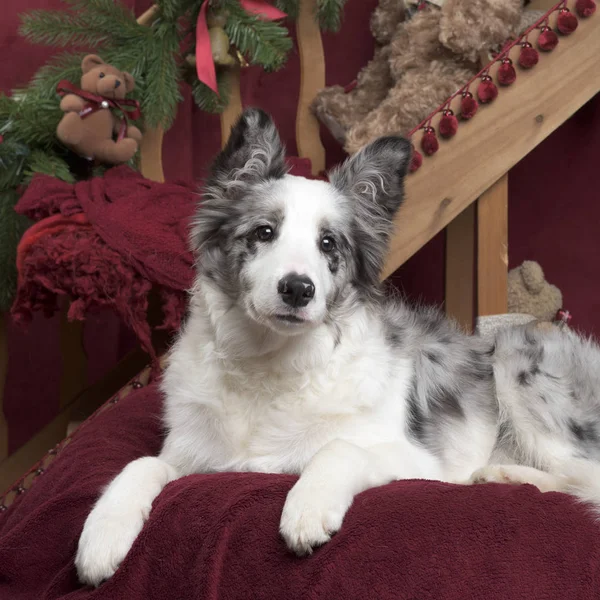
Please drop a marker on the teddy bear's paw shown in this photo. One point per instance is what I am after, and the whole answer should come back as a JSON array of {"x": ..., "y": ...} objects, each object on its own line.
[{"x": 70, "y": 129}]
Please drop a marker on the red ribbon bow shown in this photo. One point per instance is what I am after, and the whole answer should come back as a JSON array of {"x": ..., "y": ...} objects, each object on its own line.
[
  {"x": 205, "y": 66},
  {"x": 128, "y": 107}
]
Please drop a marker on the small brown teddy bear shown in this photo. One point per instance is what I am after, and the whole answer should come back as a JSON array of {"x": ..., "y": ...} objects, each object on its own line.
[
  {"x": 418, "y": 64},
  {"x": 530, "y": 293},
  {"x": 90, "y": 126}
]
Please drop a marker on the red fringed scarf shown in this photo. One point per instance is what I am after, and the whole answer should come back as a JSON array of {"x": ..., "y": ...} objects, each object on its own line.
[{"x": 106, "y": 242}]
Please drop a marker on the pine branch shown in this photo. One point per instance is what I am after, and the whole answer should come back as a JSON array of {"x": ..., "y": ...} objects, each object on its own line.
[
  {"x": 47, "y": 164},
  {"x": 206, "y": 99},
  {"x": 266, "y": 43},
  {"x": 161, "y": 97},
  {"x": 289, "y": 7},
  {"x": 63, "y": 66},
  {"x": 59, "y": 28},
  {"x": 111, "y": 17},
  {"x": 13, "y": 158},
  {"x": 174, "y": 9},
  {"x": 329, "y": 14},
  {"x": 36, "y": 119}
]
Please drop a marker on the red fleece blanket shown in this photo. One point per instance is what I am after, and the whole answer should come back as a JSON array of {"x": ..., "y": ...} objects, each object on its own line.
[{"x": 216, "y": 536}]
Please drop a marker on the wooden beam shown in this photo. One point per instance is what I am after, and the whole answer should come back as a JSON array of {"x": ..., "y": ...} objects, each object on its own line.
[
  {"x": 234, "y": 107},
  {"x": 151, "y": 146},
  {"x": 312, "y": 79},
  {"x": 460, "y": 268},
  {"x": 492, "y": 250},
  {"x": 499, "y": 136}
]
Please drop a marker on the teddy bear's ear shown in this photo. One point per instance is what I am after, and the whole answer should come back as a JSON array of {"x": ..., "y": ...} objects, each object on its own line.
[
  {"x": 129, "y": 81},
  {"x": 90, "y": 62}
]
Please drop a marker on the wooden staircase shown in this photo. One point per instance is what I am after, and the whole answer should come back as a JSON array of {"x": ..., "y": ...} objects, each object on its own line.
[{"x": 474, "y": 165}]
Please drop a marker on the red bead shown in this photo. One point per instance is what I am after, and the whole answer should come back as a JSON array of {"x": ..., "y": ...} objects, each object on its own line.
[
  {"x": 416, "y": 160},
  {"x": 567, "y": 22},
  {"x": 529, "y": 56},
  {"x": 468, "y": 106},
  {"x": 487, "y": 91},
  {"x": 585, "y": 8},
  {"x": 548, "y": 40},
  {"x": 429, "y": 143},
  {"x": 448, "y": 124},
  {"x": 506, "y": 72}
]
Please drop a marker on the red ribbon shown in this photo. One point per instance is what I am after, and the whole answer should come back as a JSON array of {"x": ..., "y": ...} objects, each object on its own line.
[
  {"x": 128, "y": 107},
  {"x": 205, "y": 66}
]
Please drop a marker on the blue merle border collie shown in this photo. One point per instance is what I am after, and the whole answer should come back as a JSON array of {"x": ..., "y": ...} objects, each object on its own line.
[{"x": 293, "y": 360}]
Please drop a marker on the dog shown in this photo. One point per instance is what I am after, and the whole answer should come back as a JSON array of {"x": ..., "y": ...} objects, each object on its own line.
[{"x": 294, "y": 360}]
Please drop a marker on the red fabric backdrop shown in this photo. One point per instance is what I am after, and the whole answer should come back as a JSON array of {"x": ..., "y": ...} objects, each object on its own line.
[{"x": 553, "y": 198}]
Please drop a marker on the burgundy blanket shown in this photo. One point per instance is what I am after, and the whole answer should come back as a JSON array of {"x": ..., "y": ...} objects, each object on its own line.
[{"x": 216, "y": 536}]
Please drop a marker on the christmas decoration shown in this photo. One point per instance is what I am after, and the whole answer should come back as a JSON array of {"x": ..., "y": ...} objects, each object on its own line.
[
  {"x": 506, "y": 72},
  {"x": 448, "y": 125},
  {"x": 585, "y": 8},
  {"x": 416, "y": 160},
  {"x": 567, "y": 22},
  {"x": 548, "y": 40},
  {"x": 528, "y": 57},
  {"x": 90, "y": 119},
  {"x": 429, "y": 142},
  {"x": 486, "y": 90},
  {"x": 468, "y": 106}
]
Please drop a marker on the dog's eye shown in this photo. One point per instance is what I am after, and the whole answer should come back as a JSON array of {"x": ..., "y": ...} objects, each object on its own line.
[
  {"x": 327, "y": 244},
  {"x": 101, "y": 75},
  {"x": 264, "y": 233}
]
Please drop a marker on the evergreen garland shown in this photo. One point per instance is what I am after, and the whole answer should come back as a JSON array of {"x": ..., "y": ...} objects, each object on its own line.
[{"x": 154, "y": 55}]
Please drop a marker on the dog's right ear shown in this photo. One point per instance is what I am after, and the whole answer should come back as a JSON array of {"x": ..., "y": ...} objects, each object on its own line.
[{"x": 253, "y": 153}]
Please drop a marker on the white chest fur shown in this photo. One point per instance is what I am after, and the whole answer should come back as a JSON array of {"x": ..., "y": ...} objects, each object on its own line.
[{"x": 272, "y": 412}]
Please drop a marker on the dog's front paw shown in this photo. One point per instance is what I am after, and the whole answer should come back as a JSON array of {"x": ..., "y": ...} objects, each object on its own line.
[
  {"x": 310, "y": 517},
  {"x": 105, "y": 541}
]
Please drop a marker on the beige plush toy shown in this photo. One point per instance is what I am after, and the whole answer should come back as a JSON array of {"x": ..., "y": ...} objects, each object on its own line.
[
  {"x": 90, "y": 126},
  {"x": 418, "y": 63},
  {"x": 530, "y": 293}
]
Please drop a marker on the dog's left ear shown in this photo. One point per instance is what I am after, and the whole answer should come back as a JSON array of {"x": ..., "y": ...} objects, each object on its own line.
[
  {"x": 375, "y": 175},
  {"x": 253, "y": 153}
]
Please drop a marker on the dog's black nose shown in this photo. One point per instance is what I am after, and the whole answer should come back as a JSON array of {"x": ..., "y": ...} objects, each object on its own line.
[
  {"x": 117, "y": 83},
  {"x": 296, "y": 290}
]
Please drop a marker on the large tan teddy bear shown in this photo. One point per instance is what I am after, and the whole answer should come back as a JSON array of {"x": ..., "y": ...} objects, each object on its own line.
[
  {"x": 418, "y": 64},
  {"x": 94, "y": 130}
]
